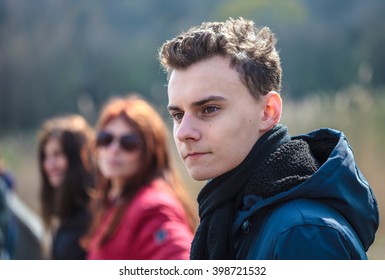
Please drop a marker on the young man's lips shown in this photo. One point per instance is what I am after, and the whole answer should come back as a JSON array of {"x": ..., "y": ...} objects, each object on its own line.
[{"x": 194, "y": 155}]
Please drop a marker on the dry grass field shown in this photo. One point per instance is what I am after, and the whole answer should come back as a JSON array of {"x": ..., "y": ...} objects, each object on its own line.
[{"x": 359, "y": 114}]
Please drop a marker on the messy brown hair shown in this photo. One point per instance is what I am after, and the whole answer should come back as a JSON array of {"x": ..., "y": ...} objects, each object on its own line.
[{"x": 251, "y": 51}]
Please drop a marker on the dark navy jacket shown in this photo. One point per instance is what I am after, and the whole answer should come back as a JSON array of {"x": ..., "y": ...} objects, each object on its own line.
[
  {"x": 333, "y": 215},
  {"x": 66, "y": 242}
]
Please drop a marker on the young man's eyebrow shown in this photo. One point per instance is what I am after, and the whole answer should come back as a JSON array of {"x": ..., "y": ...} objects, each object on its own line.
[
  {"x": 173, "y": 108},
  {"x": 208, "y": 99},
  {"x": 199, "y": 103}
]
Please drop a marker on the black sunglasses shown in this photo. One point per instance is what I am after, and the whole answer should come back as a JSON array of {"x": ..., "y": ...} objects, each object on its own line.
[{"x": 128, "y": 142}]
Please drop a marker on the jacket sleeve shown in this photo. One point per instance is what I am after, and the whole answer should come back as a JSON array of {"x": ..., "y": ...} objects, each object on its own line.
[
  {"x": 314, "y": 242},
  {"x": 161, "y": 233}
]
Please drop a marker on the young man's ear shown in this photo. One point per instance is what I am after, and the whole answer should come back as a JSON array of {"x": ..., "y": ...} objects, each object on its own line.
[{"x": 272, "y": 110}]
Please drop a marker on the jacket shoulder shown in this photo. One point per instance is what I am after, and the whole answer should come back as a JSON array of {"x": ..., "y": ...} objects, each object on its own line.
[
  {"x": 154, "y": 198},
  {"x": 156, "y": 225},
  {"x": 304, "y": 229}
]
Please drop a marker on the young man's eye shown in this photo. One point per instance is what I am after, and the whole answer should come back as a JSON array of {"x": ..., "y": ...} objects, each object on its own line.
[
  {"x": 177, "y": 116},
  {"x": 210, "y": 109}
]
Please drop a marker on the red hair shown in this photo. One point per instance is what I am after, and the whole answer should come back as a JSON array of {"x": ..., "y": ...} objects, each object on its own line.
[{"x": 156, "y": 161}]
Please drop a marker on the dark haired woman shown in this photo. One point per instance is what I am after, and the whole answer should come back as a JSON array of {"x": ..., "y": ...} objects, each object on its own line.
[
  {"x": 66, "y": 175},
  {"x": 141, "y": 209}
]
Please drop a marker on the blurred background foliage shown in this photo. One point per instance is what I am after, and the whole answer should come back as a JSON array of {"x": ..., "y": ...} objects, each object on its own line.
[
  {"x": 67, "y": 56},
  {"x": 70, "y": 55}
]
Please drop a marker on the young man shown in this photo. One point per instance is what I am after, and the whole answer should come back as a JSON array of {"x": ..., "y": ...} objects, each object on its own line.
[{"x": 268, "y": 195}]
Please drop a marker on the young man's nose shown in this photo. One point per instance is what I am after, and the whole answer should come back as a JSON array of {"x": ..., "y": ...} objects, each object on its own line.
[{"x": 187, "y": 129}]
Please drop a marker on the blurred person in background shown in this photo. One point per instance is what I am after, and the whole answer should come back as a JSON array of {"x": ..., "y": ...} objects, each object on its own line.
[
  {"x": 4, "y": 251},
  {"x": 268, "y": 195},
  {"x": 66, "y": 170},
  {"x": 141, "y": 210},
  {"x": 8, "y": 226}
]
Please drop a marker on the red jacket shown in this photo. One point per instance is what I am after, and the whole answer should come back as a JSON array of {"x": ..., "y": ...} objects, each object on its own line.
[{"x": 154, "y": 226}]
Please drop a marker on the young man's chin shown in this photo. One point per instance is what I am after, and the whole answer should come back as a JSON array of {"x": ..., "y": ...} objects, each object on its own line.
[{"x": 198, "y": 175}]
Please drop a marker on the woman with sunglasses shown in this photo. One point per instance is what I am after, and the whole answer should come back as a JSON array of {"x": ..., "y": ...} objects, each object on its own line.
[
  {"x": 140, "y": 207},
  {"x": 64, "y": 150}
]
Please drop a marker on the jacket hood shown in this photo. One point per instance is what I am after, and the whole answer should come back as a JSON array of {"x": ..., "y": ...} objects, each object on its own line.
[{"x": 338, "y": 183}]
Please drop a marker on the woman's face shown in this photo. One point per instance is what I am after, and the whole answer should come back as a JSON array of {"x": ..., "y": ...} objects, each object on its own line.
[
  {"x": 118, "y": 153},
  {"x": 55, "y": 162}
]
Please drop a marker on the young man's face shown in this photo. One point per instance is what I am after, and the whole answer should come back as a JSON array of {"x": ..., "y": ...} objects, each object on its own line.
[{"x": 216, "y": 120}]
